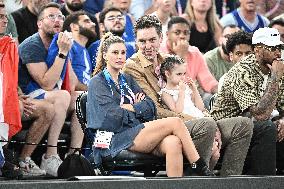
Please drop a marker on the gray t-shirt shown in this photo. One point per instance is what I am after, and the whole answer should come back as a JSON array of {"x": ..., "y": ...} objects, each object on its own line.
[{"x": 31, "y": 50}]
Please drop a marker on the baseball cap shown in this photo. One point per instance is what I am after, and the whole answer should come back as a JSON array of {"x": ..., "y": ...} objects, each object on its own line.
[{"x": 267, "y": 36}]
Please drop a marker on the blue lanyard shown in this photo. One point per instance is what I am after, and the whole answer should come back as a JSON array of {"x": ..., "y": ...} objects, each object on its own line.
[{"x": 122, "y": 84}]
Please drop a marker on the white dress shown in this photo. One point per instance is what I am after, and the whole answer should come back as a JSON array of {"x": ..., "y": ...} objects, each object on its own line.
[{"x": 189, "y": 108}]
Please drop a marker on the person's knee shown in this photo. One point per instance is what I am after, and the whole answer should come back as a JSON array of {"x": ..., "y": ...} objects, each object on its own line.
[
  {"x": 206, "y": 126},
  {"x": 247, "y": 125},
  {"x": 177, "y": 124},
  {"x": 62, "y": 99},
  {"x": 47, "y": 110},
  {"x": 172, "y": 144}
]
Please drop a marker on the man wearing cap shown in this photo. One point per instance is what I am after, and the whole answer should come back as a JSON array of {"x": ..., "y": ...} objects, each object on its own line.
[{"x": 254, "y": 87}]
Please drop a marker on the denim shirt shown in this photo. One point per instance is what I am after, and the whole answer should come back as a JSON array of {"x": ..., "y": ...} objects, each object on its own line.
[{"x": 104, "y": 113}]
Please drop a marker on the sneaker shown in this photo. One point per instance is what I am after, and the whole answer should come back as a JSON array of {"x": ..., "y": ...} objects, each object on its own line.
[
  {"x": 51, "y": 164},
  {"x": 29, "y": 168}
]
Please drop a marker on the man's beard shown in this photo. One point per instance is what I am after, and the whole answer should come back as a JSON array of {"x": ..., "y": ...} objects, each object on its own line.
[
  {"x": 75, "y": 7},
  {"x": 116, "y": 32},
  {"x": 91, "y": 35},
  {"x": 50, "y": 35},
  {"x": 225, "y": 49}
]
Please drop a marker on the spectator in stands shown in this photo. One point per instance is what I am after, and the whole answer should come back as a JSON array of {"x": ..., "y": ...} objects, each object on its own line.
[
  {"x": 139, "y": 7},
  {"x": 238, "y": 46},
  {"x": 229, "y": 6},
  {"x": 111, "y": 20},
  {"x": 163, "y": 12},
  {"x": 94, "y": 6},
  {"x": 180, "y": 94},
  {"x": 144, "y": 66},
  {"x": 41, "y": 112},
  {"x": 82, "y": 29},
  {"x": 128, "y": 34},
  {"x": 13, "y": 5},
  {"x": 40, "y": 76},
  {"x": 254, "y": 88},
  {"x": 217, "y": 59},
  {"x": 279, "y": 25},
  {"x": 71, "y": 6},
  {"x": 10, "y": 122},
  {"x": 245, "y": 17},
  {"x": 26, "y": 18},
  {"x": 206, "y": 29},
  {"x": 121, "y": 115},
  {"x": 270, "y": 8},
  {"x": 177, "y": 43},
  {"x": 11, "y": 27}
]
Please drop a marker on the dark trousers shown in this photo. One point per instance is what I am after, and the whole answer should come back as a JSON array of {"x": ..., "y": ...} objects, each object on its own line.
[
  {"x": 261, "y": 158},
  {"x": 280, "y": 157}
]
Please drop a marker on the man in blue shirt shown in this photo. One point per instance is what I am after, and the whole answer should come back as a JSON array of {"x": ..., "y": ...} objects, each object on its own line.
[
  {"x": 111, "y": 20},
  {"x": 82, "y": 29},
  {"x": 245, "y": 17}
]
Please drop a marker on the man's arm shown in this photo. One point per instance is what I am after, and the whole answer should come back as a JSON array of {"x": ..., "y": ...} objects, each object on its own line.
[
  {"x": 47, "y": 78},
  {"x": 267, "y": 103},
  {"x": 262, "y": 110}
]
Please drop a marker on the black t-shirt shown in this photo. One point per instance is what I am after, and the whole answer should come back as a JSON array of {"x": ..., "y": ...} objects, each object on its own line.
[
  {"x": 204, "y": 41},
  {"x": 26, "y": 23}
]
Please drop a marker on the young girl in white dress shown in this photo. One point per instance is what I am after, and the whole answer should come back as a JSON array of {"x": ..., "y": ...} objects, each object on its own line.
[{"x": 181, "y": 95}]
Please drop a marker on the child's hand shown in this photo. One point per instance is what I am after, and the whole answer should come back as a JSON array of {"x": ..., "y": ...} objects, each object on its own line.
[
  {"x": 191, "y": 83},
  {"x": 182, "y": 86}
]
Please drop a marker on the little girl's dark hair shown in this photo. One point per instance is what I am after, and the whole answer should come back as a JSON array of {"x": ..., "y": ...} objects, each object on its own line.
[{"x": 168, "y": 64}]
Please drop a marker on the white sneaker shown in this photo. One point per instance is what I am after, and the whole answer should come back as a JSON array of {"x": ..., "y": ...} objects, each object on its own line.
[
  {"x": 29, "y": 168},
  {"x": 51, "y": 164}
]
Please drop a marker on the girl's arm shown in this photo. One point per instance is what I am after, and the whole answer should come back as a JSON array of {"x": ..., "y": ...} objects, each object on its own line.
[
  {"x": 168, "y": 99},
  {"x": 196, "y": 98}
]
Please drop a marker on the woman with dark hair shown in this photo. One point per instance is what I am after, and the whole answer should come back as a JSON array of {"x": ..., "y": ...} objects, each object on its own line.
[{"x": 124, "y": 116}]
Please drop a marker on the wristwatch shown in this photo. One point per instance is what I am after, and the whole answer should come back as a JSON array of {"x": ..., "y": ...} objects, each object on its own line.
[{"x": 61, "y": 55}]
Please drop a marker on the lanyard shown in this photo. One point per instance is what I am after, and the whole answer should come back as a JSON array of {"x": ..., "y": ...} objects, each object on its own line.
[{"x": 122, "y": 85}]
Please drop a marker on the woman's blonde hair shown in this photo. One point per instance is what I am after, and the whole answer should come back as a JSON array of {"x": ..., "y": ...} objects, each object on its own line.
[
  {"x": 107, "y": 40},
  {"x": 211, "y": 17}
]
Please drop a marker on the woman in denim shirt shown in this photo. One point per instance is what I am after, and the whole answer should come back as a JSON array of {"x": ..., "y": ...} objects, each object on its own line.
[{"x": 116, "y": 104}]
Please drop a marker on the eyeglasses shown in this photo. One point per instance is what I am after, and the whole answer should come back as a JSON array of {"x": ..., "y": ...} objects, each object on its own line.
[
  {"x": 112, "y": 18},
  {"x": 3, "y": 17},
  {"x": 53, "y": 17}
]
